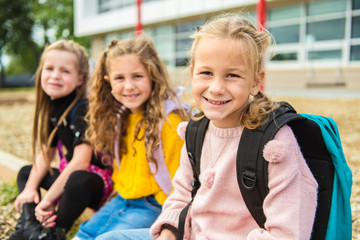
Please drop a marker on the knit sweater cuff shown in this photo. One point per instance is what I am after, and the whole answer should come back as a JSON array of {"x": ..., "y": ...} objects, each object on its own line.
[{"x": 167, "y": 217}]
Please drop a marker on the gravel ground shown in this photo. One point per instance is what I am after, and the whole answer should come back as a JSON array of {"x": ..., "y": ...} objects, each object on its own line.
[{"x": 16, "y": 124}]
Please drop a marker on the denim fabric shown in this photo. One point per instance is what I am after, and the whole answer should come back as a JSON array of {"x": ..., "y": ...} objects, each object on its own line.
[
  {"x": 138, "y": 234},
  {"x": 120, "y": 214}
]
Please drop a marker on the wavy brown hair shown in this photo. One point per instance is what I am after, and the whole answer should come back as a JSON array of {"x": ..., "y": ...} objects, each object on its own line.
[
  {"x": 252, "y": 44},
  {"x": 43, "y": 106},
  {"x": 104, "y": 107}
]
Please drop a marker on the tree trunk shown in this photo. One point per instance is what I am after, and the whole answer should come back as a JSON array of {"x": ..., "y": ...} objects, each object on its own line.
[{"x": 2, "y": 74}]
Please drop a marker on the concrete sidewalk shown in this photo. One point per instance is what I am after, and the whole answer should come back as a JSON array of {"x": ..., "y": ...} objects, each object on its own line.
[{"x": 10, "y": 166}]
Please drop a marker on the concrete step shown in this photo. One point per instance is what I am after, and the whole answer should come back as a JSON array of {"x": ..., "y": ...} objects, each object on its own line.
[{"x": 9, "y": 168}]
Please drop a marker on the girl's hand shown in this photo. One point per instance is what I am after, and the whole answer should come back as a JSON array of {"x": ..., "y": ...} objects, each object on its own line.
[
  {"x": 44, "y": 213},
  {"x": 166, "y": 235},
  {"x": 26, "y": 196}
]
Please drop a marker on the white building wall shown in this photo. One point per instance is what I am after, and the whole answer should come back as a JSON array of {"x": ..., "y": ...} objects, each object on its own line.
[
  {"x": 89, "y": 22},
  {"x": 173, "y": 15}
]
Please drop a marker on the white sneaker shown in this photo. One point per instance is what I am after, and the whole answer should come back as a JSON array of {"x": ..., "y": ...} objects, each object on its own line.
[{"x": 76, "y": 238}]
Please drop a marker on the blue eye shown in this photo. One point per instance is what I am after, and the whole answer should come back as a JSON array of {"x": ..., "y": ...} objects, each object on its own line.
[
  {"x": 206, "y": 73},
  {"x": 118, "y": 78},
  {"x": 233, "y": 75}
]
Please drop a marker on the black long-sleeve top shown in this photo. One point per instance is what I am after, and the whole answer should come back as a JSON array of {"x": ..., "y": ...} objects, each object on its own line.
[{"x": 71, "y": 132}]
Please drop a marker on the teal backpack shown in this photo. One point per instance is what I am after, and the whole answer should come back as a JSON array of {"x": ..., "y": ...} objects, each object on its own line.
[{"x": 320, "y": 144}]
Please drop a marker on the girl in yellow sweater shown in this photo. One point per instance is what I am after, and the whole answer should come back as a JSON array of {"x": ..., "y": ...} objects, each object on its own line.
[{"x": 134, "y": 116}]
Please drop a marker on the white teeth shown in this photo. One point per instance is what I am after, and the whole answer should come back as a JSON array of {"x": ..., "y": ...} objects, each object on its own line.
[
  {"x": 131, "y": 95},
  {"x": 217, "y": 103}
]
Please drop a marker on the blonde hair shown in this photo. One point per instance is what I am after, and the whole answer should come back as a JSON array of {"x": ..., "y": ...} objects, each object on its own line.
[
  {"x": 43, "y": 106},
  {"x": 104, "y": 107},
  {"x": 252, "y": 44}
]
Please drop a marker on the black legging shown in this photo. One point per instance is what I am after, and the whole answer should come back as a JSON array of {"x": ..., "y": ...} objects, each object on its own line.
[{"x": 83, "y": 189}]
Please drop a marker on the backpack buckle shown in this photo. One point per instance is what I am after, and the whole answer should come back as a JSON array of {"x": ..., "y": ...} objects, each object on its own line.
[
  {"x": 195, "y": 187},
  {"x": 249, "y": 180}
]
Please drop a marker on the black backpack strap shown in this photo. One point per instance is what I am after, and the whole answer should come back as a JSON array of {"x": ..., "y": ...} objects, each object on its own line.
[
  {"x": 194, "y": 138},
  {"x": 72, "y": 112},
  {"x": 251, "y": 167}
]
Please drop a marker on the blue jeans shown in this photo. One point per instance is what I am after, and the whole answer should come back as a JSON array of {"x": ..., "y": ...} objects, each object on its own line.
[
  {"x": 131, "y": 234},
  {"x": 120, "y": 214}
]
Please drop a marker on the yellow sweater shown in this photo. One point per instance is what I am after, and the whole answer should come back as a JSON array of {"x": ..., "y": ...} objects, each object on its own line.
[{"x": 134, "y": 179}]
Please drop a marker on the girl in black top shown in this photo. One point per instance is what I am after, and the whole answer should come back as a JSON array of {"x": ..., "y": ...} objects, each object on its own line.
[{"x": 83, "y": 178}]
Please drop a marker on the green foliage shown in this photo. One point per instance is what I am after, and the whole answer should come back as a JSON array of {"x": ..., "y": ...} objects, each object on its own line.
[
  {"x": 15, "y": 67},
  {"x": 8, "y": 193},
  {"x": 15, "y": 32},
  {"x": 57, "y": 16},
  {"x": 24, "y": 63},
  {"x": 28, "y": 26}
]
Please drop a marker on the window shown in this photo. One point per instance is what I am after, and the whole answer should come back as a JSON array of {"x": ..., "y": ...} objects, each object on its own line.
[
  {"x": 183, "y": 41},
  {"x": 284, "y": 13},
  {"x": 285, "y": 31},
  {"x": 164, "y": 43},
  {"x": 355, "y": 53},
  {"x": 355, "y": 28},
  {"x": 326, "y": 30},
  {"x": 182, "y": 61},
  {"x": 315, "y": 31},
  {"x": 292, "y": 56},
  {"x": 182, "y": 45},
  {"x": 324, "y": 7},
  {"x": 118, "y": 36},
  {"x": 286, "y": 34},
  {"x": 107, "y": 5},
  {"x": 356, "y": 4},
  {"x": 327, "y": 54}
]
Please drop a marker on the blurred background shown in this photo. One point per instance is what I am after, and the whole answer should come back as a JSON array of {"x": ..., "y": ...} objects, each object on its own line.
[
  {"x": 314, "y": 65},
  {"x": 317, "y": 41},
  {"x": 27, "y": 26}
]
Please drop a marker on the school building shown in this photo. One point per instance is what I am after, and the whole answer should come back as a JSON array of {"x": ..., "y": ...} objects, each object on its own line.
[{"x": 317, "y": 41}]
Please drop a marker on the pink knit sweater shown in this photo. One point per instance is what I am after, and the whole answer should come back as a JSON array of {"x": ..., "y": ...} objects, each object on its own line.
[{"x": 218, "y": 210}]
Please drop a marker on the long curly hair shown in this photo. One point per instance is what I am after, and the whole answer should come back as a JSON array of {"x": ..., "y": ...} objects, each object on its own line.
[
  {"x": 104, "y": 107},
  {"x": 43, "y": 105},
  {"x": 252, "y": 44}
]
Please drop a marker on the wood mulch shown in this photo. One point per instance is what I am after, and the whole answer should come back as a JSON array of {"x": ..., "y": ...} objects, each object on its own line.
[{"x": 17, "y": 115}]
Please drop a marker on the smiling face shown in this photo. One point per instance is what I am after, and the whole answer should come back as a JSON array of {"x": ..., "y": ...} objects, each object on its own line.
[
  {"x": 222, "y": 81},
  {"x": 130, "y": 82},
  {"x": 60, "y": 75}
]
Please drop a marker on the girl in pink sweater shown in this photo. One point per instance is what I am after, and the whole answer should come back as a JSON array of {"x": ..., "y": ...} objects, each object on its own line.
[{"x": 226, "y": 72}]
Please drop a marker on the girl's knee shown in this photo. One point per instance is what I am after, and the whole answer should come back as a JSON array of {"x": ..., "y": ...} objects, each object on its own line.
[
  {"x": 25, "y": 171},
  {"x": 23, "y": 176},
  {"x": 81, "y": 180}
]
